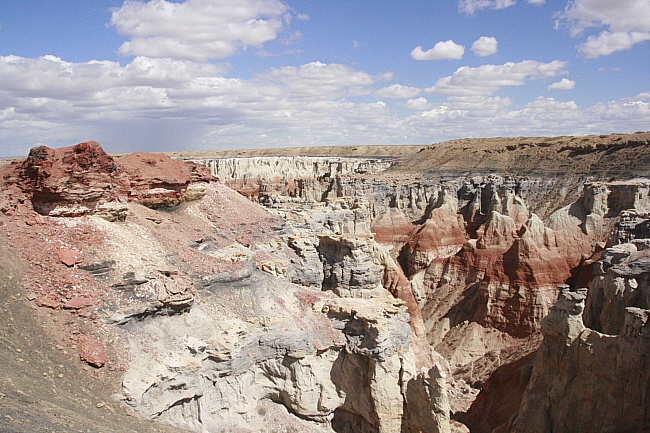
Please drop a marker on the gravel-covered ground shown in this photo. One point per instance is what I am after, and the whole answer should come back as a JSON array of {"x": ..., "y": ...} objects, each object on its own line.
[{"x": 43, "y": 385}]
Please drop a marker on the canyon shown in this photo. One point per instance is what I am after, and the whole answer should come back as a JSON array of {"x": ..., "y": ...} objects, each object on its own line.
[{"x": 472, "y": 285}]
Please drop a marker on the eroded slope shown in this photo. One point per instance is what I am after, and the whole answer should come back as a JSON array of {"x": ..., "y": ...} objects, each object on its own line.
[{"x": 151, "y": 269}]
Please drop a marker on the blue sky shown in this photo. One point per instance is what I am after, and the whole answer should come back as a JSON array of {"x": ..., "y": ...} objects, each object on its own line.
[{"x": 198, "y": 74}]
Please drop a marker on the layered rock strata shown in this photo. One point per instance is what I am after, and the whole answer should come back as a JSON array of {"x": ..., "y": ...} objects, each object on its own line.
[
  {"x": 616, "y": 298},
  {"x": 195, "y": 303},
  {"x": 344, "y": 363},
  {"x": 478, "y": 258},
  {"x": 295, "y": 178},
  {"x": 83, "y": 179}
]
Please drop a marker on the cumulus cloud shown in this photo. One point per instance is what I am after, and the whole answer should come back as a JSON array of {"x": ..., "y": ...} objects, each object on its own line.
[
  {"x": 624, "y": 23},
  {"x": 606, "y": 43},
  {"x": 397, "y": 91},
  {"x": 485, "y": 46},
  {"x": 563, "y": 84},
  {"x": 469, "y": 7},
  {"x": 487, "y": 79},
  {"x": 632, "y": 114},
  {"x": 65, "y": 93},
  {"x": 441, "y": 50},
  {"x": 419, "y": 104},
  {"x": 321, "y": 80},
  {"x": 197, "y": 29},
  {"x": 165, "y": 104},
  {"x": 51, "y": 77}
]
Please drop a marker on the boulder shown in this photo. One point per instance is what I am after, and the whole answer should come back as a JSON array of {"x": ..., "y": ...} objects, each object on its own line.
[{"x": 91, "y": 351}]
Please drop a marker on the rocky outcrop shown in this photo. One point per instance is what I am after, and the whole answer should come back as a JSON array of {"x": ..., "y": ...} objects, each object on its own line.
[
  {"x": 442, "y": 235},
  {"x": 501, "y": 278},
  {"x": 194, "y": 306},
  {"x": 617, "y": 280},
  {"x": 83, "y": 179},
  {"x": 166, "y": 292},
  {"x": 69, "y": 181},
  {"x": 339, "y": 362},
  {"x": 622, "y": 277},
  {"x": 504, "y": 279},
  {"x": 297, "y": 177},
  {"x": 584, "y": 380},
  {"x": 157, "y": 181},
  {"x": 349, "y": 267},
  {"x": 620, "y": 274}
]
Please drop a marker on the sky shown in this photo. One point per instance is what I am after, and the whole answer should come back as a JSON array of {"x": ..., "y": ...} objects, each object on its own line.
[{"x": 162, "y": 75}]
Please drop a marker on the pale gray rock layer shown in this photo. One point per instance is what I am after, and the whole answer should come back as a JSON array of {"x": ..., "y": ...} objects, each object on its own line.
[{"x": 330, "y": 361}]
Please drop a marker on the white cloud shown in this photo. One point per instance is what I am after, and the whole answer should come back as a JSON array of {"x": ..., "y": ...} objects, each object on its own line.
[
  {"x": 51, "y": 77},
  {"x": 470, "y": 6},
  {"x": 563, "y": 84},
  {"x": 197, "y": 29},
  {"x": 487, "y": 79},
  {"x": 441, "y": 50},
  {"x": 624, "y": 23},
  {"x": 479, "y": 106},
  {"x": 384, "y": 77},
  {"x": 396, "y": 91},
  {"x": 485, "y": 46},
  {"x": 606, "y": 43},
  {"x": 164, "y": 104},
  {"x": 619, "y": 16},
  {"x": 77, "y": 95},
  {"x": 632, "y": 112},
  {"x": 320, "y": 79},
  {"x": 419, "y": 104}
]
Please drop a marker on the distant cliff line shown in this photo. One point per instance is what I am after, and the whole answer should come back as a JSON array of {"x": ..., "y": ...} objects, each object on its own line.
[
  {"x": 606, "y": 157},
  {"x": 603, "y": 156}
]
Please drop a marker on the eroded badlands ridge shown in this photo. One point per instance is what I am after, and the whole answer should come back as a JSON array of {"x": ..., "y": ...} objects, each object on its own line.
[
  {"x": 153, "y": 268},
  {"x": 319, "y": 310},
  {"x": 482, "y": 241}
]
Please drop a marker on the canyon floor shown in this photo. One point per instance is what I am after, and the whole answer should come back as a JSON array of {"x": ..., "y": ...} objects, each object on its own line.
[{"x": 340, "y": 289}]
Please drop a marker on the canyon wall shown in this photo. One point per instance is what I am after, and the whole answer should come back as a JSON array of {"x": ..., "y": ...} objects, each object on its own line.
[
  {"x": 483, "y": 255},
  {"x": 221, "y": 315},
  {"x": 478, "y": 258},
  {"x": 591, "y": 371},
  {"x": 583, "y": 380}
]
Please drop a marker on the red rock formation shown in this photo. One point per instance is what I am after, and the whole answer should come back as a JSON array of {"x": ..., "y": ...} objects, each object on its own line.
[
  {"x": 399, "y": 286},
  {"x": 68, "y": 256},
  {"x": 158, "y": 181},
  {"x": 393, "y": 229},
  {"x": 69, "y": 181},
  {"x": 84, "y": 179},
  {"x": 440, "y": 236},
  {"x": 91, "y": 351}
]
